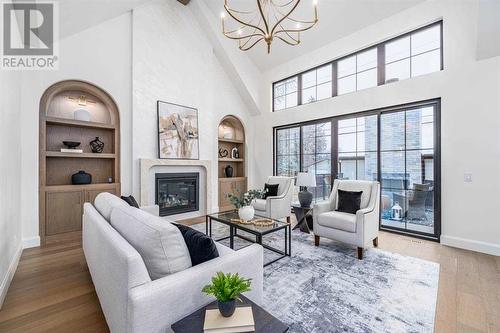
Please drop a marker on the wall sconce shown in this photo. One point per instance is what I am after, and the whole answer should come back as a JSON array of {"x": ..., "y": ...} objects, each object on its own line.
[{"x": 81, "y": 100}]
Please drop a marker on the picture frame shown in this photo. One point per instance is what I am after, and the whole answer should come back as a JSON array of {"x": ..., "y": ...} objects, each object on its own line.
[{"x": 178, "y": 136}]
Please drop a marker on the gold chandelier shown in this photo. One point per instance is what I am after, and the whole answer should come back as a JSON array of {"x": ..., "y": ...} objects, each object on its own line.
[{"x": 271, "y": 20}]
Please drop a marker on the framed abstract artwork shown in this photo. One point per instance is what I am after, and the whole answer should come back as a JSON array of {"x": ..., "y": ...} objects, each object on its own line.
[{"x": 177, "y": 131}]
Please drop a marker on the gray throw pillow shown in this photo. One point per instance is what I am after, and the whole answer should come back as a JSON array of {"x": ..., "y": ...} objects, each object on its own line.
[{"x": 160, "y": 243}]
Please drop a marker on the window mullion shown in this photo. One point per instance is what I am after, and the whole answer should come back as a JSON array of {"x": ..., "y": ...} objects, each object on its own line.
[
  {"x": 299, "y": 89},
  {"x": 381, "y": 64},
  {"x": 334, "y": 79}
]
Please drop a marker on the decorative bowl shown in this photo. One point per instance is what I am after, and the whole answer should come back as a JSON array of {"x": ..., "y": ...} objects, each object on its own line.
[{"x": 71, "y": 144}]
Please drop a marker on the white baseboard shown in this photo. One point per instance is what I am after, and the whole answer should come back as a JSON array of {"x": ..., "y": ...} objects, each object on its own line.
[
  {"x": 31, "y": 242},
  {"x": 469, "y": 244},
  {"x": 10, "y": 274}
]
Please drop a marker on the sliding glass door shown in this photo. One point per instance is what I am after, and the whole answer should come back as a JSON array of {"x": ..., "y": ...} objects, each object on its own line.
[
  {"x": 397, "y": 146},
  {"x": 407, "y": 153}
]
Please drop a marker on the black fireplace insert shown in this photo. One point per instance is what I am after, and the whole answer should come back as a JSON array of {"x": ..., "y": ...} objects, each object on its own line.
[{"x": 177, "y": 193}]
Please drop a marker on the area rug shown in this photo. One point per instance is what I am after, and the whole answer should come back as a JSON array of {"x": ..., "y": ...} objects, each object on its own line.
[{"x": 327, "y": 289}]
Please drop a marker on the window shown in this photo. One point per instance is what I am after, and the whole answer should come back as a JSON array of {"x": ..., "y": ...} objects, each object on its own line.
[
  {"x": 357, "y": 146},
  {"x": 398, "y": 146},
  {"x": 317, "y": 84},
  {"x": 357, "y": 72},
  {"x": 317, "y": 156},
  {"x": 288, "y": 152},
  {"x": 413, "y": 54},
  {"x": 285, "y": 94}
]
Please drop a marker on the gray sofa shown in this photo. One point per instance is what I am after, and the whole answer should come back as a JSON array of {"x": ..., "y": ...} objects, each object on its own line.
[{"x": 130, "y": 300}]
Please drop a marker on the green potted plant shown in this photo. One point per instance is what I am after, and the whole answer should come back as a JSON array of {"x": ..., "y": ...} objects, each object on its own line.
[
  {"x": 227, "y": 289},
  {"x": 243, "y": 203}
]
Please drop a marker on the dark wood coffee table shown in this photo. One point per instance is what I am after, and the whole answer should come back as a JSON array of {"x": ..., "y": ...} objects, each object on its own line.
[{"x": 264, "y": 321}]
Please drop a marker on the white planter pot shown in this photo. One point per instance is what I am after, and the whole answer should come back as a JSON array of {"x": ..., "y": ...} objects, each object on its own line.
[{"x": 246, "y": 213}]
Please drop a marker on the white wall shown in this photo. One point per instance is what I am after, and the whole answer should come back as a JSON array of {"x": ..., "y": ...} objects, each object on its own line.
[
  {"x": 101, "y": 55},
  {"x": 470, "y": 116},
  {"x": 10, "y": 178},
  {"x": 173, "y": 61}
]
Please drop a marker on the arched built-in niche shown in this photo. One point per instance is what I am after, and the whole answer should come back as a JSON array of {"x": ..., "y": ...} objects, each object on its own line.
[
  {"x": 231, "y": 134},
  {"x": 61, "y": 202}
]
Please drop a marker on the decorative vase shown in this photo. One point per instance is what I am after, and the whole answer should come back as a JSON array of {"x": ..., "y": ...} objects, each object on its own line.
[
  {"x": 227, "y": 308},
  {"x": 229, "y": 171},
  {"x": 305, "y": 198},
  {"x": 96, "y": 145},
  {"x": 246, "y": 213},
  {"x": 81, "y": 178}
]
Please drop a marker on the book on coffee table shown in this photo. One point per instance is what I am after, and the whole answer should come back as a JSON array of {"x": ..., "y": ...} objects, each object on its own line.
[{"x": 240, "y": 321}]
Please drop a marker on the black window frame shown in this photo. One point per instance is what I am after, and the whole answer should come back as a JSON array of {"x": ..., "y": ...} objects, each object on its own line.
[
  {"x": 380, "y": 47},
  {"x": 436, "y": 102}
]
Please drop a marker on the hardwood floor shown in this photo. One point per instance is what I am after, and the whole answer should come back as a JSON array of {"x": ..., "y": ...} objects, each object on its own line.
[{"x": 52, "y": 290}]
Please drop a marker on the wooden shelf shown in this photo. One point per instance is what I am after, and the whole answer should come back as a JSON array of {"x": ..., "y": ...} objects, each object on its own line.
[
  {"x": 97, "y": 186},
  {"x": 231, "y": 140},
  {"x": 78, "y": 155},
  {"x": 226, "y": 179},
  {"x": 77, "y": 123},
  {"x": 231, "y": 126},
  {"x": 227, "y": 159}
]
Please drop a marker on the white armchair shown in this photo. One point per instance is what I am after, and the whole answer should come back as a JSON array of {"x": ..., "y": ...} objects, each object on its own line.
[
  {"x": 276, "y": 207},
  {"x": 358, "y": 229}
]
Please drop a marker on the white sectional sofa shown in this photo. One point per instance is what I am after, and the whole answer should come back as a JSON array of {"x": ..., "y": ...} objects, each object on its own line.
[{"x": 130, "y": 300}]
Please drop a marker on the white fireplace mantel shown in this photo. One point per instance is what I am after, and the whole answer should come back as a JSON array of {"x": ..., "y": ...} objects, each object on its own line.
[{"x": 147, "y": 164}]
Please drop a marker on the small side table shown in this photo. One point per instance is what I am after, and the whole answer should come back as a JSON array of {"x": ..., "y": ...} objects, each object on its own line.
[
  {"x": 304, "y": 217},
  {"x": 264, "y": 321}
]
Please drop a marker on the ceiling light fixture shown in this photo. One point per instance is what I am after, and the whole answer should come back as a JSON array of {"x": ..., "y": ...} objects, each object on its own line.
[{"x": 272, "y": 19}]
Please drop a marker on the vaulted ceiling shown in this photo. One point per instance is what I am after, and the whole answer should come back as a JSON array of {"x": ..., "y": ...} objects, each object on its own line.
[
  {"x": 78, "y": 15},
  {"x": 337, "y": 19}
]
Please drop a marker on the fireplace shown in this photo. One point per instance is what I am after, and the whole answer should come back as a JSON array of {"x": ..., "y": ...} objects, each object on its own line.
[{"x": 177, "y": 193}]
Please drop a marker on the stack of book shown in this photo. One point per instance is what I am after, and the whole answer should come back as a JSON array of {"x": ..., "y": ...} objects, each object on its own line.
[
  {"x": 240, "y": 321},
  {"x": 77, "y": 151}
]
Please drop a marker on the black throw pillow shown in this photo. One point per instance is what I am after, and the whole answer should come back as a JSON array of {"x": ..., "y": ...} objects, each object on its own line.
[
  {"x": 201, "y": 247},
  {"x": 349, "y": 202},
  {"x": 272, "y": 190},
  {"x": 131, "y": 201}
]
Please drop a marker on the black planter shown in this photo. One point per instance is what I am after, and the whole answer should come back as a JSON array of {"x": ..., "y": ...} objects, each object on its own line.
[
  {"x": 227, "y": 308},
  {"x": 81, "y": 178},
  {"x": 229, "y": 171}
]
